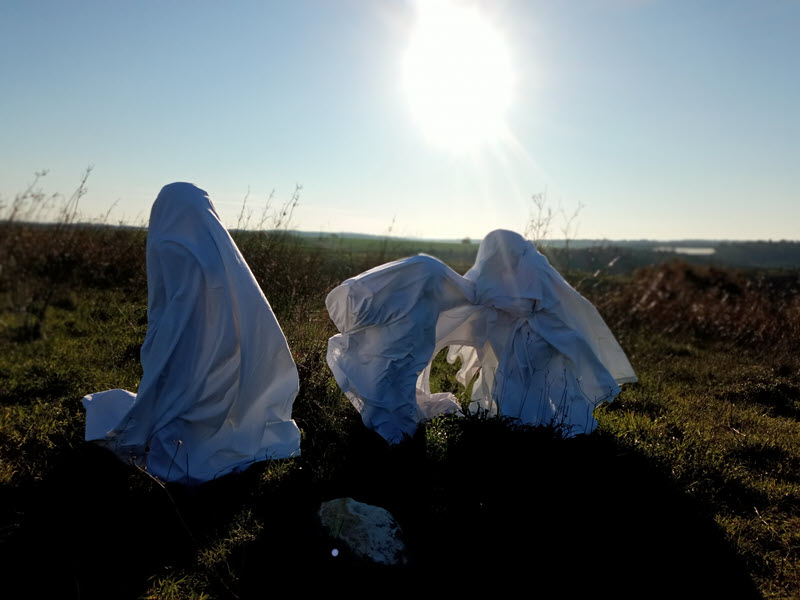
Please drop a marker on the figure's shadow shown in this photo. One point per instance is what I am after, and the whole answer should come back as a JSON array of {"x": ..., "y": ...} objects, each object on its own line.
[
  {"x": 498, "y": 510},
  {"x": 561, "y": 517}
]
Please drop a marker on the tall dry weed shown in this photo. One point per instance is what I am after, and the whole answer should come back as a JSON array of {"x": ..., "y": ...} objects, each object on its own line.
[
  {"x": 47, "y": 250},
  {"x": 758, "y": 310}
]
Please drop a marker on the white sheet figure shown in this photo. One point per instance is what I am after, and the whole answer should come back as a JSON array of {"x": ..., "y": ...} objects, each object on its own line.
[
  {"x": 219, "y": 380},
  {"x": 541, "y": 352}
]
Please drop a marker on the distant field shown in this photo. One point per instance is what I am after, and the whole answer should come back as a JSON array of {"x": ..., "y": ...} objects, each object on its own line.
[
  {"x": 612, "y": 256},
  {"x": 456, "y": 254},
  {"x": 690, "y": 487}
]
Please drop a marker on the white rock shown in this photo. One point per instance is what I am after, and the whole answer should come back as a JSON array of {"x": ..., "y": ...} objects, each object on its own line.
[{"x": 367, "y": 531}]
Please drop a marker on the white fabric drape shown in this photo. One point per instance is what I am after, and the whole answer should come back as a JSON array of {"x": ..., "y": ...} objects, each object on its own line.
[
  {"x": 541, "y": 352},
  {"x": 219, "y": 380}
]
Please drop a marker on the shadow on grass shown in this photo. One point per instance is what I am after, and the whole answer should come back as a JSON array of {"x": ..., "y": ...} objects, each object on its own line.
[
  {"x": 481, "y": 505},
  {"x": 782, "y": 398}
]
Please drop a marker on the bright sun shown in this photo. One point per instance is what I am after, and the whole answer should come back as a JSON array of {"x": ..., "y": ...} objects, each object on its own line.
[{"x": 457, "y": 75}]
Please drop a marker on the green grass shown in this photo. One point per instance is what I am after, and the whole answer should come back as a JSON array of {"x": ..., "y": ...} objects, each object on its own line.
[
  {"x": 690, "y": 486},
  {"x": 722, "y": 423}
]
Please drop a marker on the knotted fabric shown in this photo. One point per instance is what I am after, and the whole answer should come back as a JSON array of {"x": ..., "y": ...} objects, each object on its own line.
[{"x": 541, "y": 352}]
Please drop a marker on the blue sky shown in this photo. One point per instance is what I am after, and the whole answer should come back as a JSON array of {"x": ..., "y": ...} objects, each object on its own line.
[{"x": 665, "y": 120}]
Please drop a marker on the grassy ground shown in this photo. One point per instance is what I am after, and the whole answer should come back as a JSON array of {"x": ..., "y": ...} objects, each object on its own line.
[{"x": 690, "y": 486}]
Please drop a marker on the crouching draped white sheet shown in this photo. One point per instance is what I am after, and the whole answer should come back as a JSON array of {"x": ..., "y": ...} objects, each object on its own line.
[
  {"x": 218, "y": 377},
  {"x": 541, "y": 352}
]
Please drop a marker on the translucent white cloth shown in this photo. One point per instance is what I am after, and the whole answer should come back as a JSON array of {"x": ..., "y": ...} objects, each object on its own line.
[
  {"x": 219, "y": 380},
  {"x": 541, "y": 352}
]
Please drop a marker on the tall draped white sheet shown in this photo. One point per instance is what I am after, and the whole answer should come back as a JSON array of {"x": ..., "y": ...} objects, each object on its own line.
[
  {"x": 219, "y": 380},
  {"x": 541, "y": 352}
]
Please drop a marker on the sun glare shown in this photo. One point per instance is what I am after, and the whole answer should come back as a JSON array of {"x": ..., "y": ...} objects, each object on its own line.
[{"x": 457, "y": 75}]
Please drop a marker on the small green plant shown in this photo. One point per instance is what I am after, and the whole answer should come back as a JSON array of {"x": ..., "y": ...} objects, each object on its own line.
[{"x": 174, "y": 587}]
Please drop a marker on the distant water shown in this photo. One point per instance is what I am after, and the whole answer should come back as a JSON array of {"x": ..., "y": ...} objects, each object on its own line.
[{"x": 686, "y": 250}]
